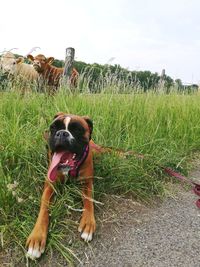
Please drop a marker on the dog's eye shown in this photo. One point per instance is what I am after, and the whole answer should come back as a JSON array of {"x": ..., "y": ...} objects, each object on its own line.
[
  {"x": 76, "y": 127},
  {"x": 57, "y": 125}
]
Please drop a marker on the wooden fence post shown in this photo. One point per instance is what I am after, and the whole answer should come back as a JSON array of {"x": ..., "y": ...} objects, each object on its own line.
[
  {"x": 69, "y": 61},
  {"x": 161, "y": 82}
]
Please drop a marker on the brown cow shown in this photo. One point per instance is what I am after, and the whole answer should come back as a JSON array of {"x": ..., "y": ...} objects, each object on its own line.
[{"x": 51, "y": 75}]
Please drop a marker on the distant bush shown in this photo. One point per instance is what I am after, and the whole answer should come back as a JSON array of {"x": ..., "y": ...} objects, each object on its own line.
[{"x": 95, "y": 78}]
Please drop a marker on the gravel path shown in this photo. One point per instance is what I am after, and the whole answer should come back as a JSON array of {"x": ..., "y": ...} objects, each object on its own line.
[
  {"x": 163, "y": 236},
  {"x": 132, "y": 235}
]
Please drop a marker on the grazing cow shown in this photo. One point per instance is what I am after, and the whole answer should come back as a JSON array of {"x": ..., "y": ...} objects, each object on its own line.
[
  {"x": 15, "y": 66},
  {"x": 51, "y": 74}
]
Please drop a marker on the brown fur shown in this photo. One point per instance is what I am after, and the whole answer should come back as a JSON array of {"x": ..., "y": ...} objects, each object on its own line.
[
  {"x": 51, "y": 74},
  {"x": 37, "y": 238}
]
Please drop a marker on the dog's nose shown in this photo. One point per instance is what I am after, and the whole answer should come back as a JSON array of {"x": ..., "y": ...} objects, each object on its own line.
[{"x": 62, "y": 134}]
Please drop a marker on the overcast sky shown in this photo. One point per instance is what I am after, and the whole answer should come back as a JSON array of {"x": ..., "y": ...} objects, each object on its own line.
[{"x": 139, "y": 35}]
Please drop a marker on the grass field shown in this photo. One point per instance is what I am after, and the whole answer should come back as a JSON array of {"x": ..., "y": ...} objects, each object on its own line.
[{"x": 165, "y": 128}]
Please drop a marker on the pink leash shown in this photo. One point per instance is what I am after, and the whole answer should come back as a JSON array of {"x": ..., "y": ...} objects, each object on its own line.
[
  {"x": 195, "y": 186},
  {"x": 169, "y": 171}
]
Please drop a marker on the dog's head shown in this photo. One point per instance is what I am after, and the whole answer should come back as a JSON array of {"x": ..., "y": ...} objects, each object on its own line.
[{"x": 69, "y": 133}]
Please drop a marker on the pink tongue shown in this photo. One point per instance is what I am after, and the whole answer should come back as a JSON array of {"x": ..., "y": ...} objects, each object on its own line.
[{"x": 56, "y": 160}]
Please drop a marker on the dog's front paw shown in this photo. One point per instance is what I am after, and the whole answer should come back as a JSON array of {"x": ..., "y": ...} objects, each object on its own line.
[
  {"x": 87, "y": 226},
  {"x": 36, "y": 243}
]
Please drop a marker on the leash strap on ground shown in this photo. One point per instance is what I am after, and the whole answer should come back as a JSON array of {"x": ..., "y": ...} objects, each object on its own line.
[
  {"x": 169, "y": 171},
  {"x": 195, "y": 186}
]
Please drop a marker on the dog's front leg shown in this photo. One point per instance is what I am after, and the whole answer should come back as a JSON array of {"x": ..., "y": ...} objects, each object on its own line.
[
  {"x": 87, "y": 224},
  {"x": 37, "y": 239}
]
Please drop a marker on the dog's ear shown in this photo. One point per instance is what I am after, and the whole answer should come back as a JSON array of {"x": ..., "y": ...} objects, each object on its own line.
[
  {"x": 90, "y": 124},
  {"x": 58, "y": 114},
  {"x": 46, "y": 135},
  {"x": 49, "y": 153}
]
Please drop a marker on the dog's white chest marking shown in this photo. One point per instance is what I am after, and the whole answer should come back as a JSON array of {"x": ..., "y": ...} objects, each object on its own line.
[{"x": 65, "y": 171}]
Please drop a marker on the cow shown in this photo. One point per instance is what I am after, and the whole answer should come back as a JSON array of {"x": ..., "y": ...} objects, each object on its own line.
[
  {"x": 51, "y": 75},
  {"x": 16, "y": 67}
]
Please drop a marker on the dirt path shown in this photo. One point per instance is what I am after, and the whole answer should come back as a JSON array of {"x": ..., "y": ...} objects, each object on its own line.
[
  {"x": 163, "y": 236},
  {"x": 132, "y": 235}
]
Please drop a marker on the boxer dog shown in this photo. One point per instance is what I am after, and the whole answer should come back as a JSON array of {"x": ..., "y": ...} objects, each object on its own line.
[{"x": 70, "y": 150}]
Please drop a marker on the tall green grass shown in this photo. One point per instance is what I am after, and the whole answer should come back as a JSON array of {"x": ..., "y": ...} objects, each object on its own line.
[{"x": 165, "y": 128}]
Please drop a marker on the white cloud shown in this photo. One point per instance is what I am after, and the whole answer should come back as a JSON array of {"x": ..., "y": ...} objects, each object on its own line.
[{"x": 145, "y": 34}]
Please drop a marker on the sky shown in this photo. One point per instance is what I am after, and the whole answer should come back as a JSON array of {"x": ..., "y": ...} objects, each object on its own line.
[{"x": 139, "y": 35}]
